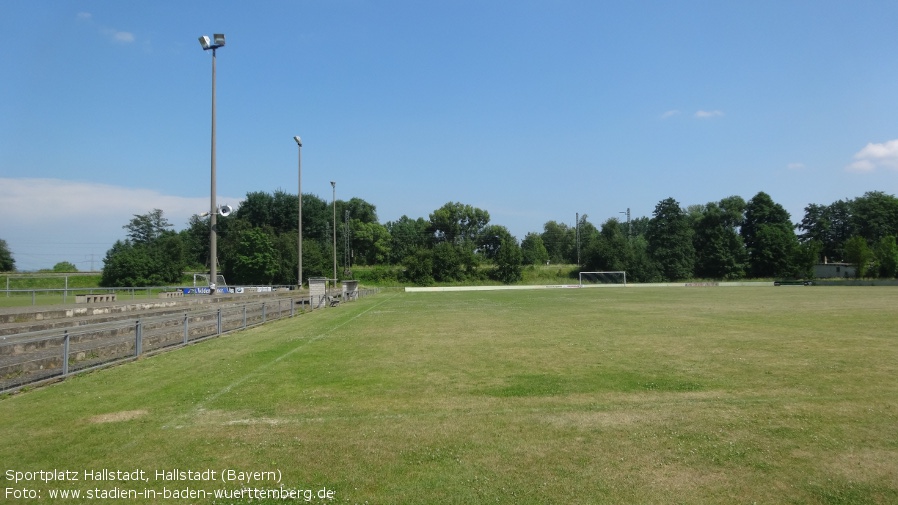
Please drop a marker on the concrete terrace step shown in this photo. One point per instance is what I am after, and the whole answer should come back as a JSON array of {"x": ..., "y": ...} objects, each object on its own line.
[{"x": 19, "y": 320}]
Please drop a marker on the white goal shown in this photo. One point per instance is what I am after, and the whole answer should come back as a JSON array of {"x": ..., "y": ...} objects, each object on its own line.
[{"x": 591, "y": 279}]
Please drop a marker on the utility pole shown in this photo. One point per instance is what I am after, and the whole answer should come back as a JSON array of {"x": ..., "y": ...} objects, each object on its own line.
[{"x": 347, "y": 260}]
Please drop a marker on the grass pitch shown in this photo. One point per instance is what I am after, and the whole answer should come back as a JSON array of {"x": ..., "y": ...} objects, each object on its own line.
[{"x": 642, "y": 395}]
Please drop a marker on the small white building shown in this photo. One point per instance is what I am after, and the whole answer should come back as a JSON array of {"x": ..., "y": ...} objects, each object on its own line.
[{"x": 834, "y": 270}]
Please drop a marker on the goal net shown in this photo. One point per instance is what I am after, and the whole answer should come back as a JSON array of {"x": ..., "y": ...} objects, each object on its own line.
[{"x": 589, "y": 279}]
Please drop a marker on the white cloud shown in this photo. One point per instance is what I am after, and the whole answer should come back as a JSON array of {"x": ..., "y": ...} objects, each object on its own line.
[
  {"x": 126, "y": 37},
  {"x": 118, "y": 36},
  {"x": 113, "y": 34},
  {"x": 795, "y": 166},
  {"x": 708, "y": 114},
  {"x": 874, "y": 156},
  {"x": 670, "y": 113},
  {"x": 50, "y": 220},
  {"x": 44, "y": 200}
]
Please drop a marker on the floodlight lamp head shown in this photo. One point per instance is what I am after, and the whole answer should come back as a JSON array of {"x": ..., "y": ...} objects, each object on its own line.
[
  {"x": 205, "y": 42},
  {"x": 219, "y": 39},
  {"x": 298, "y": 140}
]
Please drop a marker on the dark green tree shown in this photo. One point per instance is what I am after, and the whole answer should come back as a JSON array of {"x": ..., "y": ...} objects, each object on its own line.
[
  {"x": 256, "y": 259},
  {"x": 491, "y": 239},
  {"x": 158, "y": 263},
  {"x": 610, "y": 251},
  {"x": 670, "y": 241},
  {"x": 806, "y": 255},
  {"x": 507, "y": 261},
  {"x": 638, "y": 226},
  {"x": 370, "y": 242},
  {"x": 875, "y": 215},
  {"x": 153, "y": 255},
  {"x": 7, "y": 262},
  {"x": 127, "y": 265},
  {"x": 360, "y": 210},
  {"x": 458, "y": 227},
  {"x": 533, "y": 250},
  {"x": 858, "y": 253},
  {"x": 407, "y": 236},
  {"x": 840, "y": 228},
  {"x": 560, "y": 241},
  {"x": 65, "y": 267},
  {"x": 145, "y": 228},
  {"x": 418, "y": 267},
  {"x": 641, "y": 267},
  {"x": 316, "y": 260},
  {"x": 196, "y": 242},
  {"x": 885, "y": 254},
  {"x": 497, "y": 245},
  {"x": 286, "y": 249},
  {"x": 448, "y": 264},
  {"x": 256, "y": 209},
  {"x": 458, "y": 223},
  {"x": 316, "y": 219},
  {"x": 586, "y": 235},
  {"x": 719, "y": 250},
  {"x": 828, "y": 225},
  {"x": 769, "y": 237},
  {"x": 284, "y": 212},
  {"x": 278, "y": 211}
]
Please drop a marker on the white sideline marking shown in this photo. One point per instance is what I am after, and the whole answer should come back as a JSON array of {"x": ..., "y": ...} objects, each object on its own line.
[
  {"x": 434, "y": 289},
  {"x": 227, "y": 389}
]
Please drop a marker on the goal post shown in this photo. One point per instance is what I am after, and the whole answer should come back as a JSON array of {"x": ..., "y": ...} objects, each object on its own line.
[{"x": 610, "y": 278}]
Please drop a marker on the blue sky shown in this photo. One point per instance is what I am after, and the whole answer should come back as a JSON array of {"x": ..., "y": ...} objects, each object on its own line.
[{"x": 531, "y": 110}]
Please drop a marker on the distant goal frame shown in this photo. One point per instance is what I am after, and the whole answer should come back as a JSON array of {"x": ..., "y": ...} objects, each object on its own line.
[{"x": 622, "y": 275}]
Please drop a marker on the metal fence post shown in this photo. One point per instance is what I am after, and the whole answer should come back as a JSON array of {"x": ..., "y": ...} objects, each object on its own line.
[
  {"x": 219, "y": 321},
  {"x": 65, "y": 354},
  {"x": 138, "y": 339},
  {"x": 244, "y": 316},
  {"x": 263, "y": 312},
  {"x": 186, "y": 332}
]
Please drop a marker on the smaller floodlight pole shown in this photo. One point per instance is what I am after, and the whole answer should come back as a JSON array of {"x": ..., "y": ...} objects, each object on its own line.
[
  {"x": 299, "y": 219},
  {"x": 217, "y": 41},
  {"x": 334, "y": 187}
]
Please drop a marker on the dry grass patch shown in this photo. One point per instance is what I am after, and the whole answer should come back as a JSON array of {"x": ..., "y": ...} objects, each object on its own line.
[{"x": 115, "y": 417}]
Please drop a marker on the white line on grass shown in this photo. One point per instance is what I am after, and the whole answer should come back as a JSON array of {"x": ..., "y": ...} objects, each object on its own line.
[{"x": 200, "y": 407}]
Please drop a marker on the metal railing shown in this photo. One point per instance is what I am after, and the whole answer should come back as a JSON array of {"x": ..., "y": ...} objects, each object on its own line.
[
  {"x": 50, "y": 296},
  {"x": 35, "y": 357}
]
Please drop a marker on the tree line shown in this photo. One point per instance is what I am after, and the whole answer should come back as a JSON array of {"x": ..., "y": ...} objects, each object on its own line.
[{"x": 728, "y": 239}]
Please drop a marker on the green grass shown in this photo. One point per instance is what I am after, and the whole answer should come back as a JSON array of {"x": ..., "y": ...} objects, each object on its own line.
[{"x": 642, "y": 395}]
